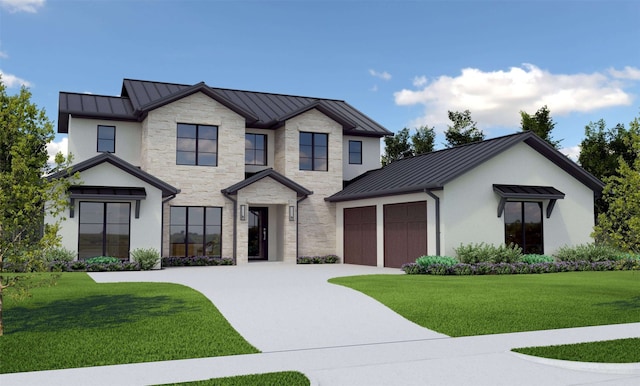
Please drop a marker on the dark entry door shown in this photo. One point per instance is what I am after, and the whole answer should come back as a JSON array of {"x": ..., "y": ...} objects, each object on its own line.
[{"x": 258, "y": 233}]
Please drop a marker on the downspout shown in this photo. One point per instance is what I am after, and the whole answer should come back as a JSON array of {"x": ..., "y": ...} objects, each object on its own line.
[
  {"x": 437, "y": 202},
  {"x": 297, "y": 223},
  {"x": 235, "y": 223}
]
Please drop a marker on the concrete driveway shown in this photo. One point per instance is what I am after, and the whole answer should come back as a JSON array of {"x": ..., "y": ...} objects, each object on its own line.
[{"x": 337, "y": 336}]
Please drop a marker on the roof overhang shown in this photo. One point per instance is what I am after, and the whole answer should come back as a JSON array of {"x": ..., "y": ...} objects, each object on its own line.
[
  {"x": 299, "y": 189},
  {"x": 106, "y": 193},
  {"x": 527, "y": 192}
]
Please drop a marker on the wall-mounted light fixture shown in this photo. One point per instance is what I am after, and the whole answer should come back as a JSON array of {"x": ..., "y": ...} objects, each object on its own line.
[
  {"x": 292, "y": 213},
  {"x": 243, "y": 212}
]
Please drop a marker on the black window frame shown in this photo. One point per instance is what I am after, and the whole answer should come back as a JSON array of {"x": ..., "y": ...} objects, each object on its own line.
[
  {"x": 527, "y": 247},
  {"x": 314, "y": 157},
  {"x": 358, "y": 153},
  {"x": 197, "y": 139},
  {"x": 254, "y": 150},
  {"x": 106, "y": 139},
  {"x": 104, "y": 231},
  {"x": 205, "y": 223}
]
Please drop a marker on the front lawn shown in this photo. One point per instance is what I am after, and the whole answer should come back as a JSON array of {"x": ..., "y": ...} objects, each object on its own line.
[
  {"x": 478, "y": 305},
  {"x": 609, "y": 351},
  {"x": 79, "y": 323},
  {"x": 288, "y": 378}
]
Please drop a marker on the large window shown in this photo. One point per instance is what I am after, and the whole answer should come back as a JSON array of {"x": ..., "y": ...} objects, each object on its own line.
[
  {"x": 196, "y": 231},
  {"x": 314, "y": 151},
  {"x": 197, "y": 145},
  {"x": 255, "y": 149},
  {"x": 523, "y": 225},
  {"x": 104, "y": 229},
  {"x": 355, "y": 152},
  {"x": 106, "y": 139}
]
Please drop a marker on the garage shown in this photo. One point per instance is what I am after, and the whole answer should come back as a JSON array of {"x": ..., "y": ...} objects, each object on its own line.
[
  {"x": 360, "y": 235},
  {"x": 405, "y": 233}
]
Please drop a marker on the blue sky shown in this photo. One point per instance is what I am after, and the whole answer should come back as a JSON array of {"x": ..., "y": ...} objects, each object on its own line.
[{"x": 403, "y": 63}]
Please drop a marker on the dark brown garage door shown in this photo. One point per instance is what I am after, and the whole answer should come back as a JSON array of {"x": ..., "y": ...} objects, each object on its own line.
[
  {"x": 360, "y": 235},
  {"x": 405, "y": 233}
]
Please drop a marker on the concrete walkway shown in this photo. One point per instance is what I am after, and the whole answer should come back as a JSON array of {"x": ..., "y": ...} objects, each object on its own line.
[{"x": 337, "y": 336}]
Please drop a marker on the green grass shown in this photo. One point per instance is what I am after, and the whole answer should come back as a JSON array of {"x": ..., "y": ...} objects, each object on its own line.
[
  {"x": 80, "y": 323},
  {"x": 610, "y": 351},
  {"x": 477, "y": 305},
  {"x": 288, "y": 378}
]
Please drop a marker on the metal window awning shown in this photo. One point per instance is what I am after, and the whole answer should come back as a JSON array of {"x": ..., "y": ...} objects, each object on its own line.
[
  {"x": 107, "y": 193},
  {"x": 527, "y": 192}
]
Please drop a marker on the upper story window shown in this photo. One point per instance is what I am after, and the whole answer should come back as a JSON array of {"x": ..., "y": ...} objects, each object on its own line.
[
  {"x": 197, "y": 145},
  {"x": 106, "y": 139},
  {"x": 255, "y": 149},
  {"x": 355, "y": 152},
  {"x": 523, "y": 225},
  {"x": 314, "y": 151}
]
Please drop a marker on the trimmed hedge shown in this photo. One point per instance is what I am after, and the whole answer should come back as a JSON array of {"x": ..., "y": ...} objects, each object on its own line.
[
  {"x": 327, "y": 259},
  {"x": 196, "y": 261}
]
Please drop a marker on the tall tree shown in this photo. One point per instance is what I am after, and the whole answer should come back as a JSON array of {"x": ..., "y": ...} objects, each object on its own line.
[
  {"x": 619, "y": 224},
  {"x": 25, "y": 196},
  {"x": 540, "y": 123},
  {"x": 463, "y": 130},
  {"x": 601, "y": 148},
  {"x": 423, "y": 140},
  {"x": 397, "y": 147}
]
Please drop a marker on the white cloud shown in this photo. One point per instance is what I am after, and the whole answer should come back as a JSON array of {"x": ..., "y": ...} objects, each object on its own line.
[
  {"x": 382, "y": 75},
  {"x": 30, "y": 6},
  {"x": 11, "y": 80},
  {"x": 419, "y": 81},
  {"x": 495, "y": 98},
  {"x": 54, "y": 147},
  {"x": 572, "y": 152},
  {"x": 3, "y": 55},
  {"x": 627, "y": 73}
]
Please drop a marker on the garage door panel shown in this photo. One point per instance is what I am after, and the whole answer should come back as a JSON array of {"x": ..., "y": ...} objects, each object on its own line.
[
  {"x": 360, "y": 236},
  {"x": 405, "y": 233}
]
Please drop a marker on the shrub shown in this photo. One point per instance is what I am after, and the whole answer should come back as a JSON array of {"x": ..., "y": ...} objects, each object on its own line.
[
  {"x": 487, "y": 253},
  {"x": 327, "y": 259},
  {"x": 534, "y": 259},
  {"x": 102, "y": 260},
  {"x": 147, "y": 258},
  {"x": 589, "y": 252},
  {"x": 412, "y": 269},
  {"x": 179, "y": 261},
  {"x": 58, "y": 254},
  {"x": 426, "y": 261},
  {"x": 78, "y": 265}
]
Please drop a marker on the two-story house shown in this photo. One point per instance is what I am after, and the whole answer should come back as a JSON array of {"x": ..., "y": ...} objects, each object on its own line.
[{"x": 196, "y": 170}]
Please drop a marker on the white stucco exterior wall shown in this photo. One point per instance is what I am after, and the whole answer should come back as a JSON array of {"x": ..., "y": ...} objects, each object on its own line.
[
  {"x": 145, "y": 231},
  {"x": 370, "y": 156},
  {"x": 469, "y": 204},
  {"x": 83, "y": 139}
]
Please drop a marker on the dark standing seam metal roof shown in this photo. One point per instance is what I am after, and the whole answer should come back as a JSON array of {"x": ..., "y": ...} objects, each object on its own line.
[
  {"x": 527, "y": 192},
  {"x": 167, "y": 190},
  {"x": 433, "y": 170},
  {"x": 260, "y": 110},
  {"x": 299, "y": 189}
]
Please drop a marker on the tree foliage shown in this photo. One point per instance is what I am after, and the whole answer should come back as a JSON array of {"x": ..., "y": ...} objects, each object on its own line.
[
  {"x": 403, "y": 145},
  {"x": 602, "y": 148},
  {"x": 463, "y": 129},
  {"x": 619, "y": 225},
  {"x": 540, "y": 123},
  {"x": 25, "y": 196}
]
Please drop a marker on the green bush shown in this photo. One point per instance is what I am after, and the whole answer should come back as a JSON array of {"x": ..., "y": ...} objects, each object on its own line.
[
  {"x": 102, "y": 260},
  {"x": 426, "y": 261},
  {"x": 534, "y": 259},
  {"x": 147, "y": 258},
  {"x": 589, "y": 252},
  {"x": 487, "y": 253},
  {"x": 58, "y": 254}
]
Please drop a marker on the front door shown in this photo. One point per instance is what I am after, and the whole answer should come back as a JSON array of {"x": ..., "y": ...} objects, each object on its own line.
[{"x": 258, "y": 233}]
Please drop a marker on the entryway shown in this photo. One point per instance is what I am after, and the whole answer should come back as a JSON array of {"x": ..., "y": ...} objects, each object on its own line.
[{"x": 258, "y": 247}]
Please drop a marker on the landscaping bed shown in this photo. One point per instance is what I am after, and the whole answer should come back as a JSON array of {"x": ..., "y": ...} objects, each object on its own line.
[{"x": 609, "y": 351}]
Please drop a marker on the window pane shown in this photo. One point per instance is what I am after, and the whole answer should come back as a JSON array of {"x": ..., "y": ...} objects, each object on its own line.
[
  {"x": 207, "y": 132},
  {"x": 320, "y": 164},
  {"x": 207, "y": 159},
  {"x": 178, "y": 215},
  {"x": 196, "y": 234},
  {"x": 260, "y": 158},
  {"x": 305, "y": 163},
  {"x": 106, "y": 132},
  {"x": 106, "y": 145},
  {"x": 320, "y": 139},
  {"x": 355, "y": 146},
  {"x": 260, "y": 141},
  {"x": 186, "y": 158},
  {"x": 214, "y": 216},
  {"x": 306, "y": 151},
  {"x": 249, "y": 141},
  {"x": 118, "y": 213},
  {"x": 320, "y": 151},
  {"x": 306, "y": 139},
  {"x": 186, "y": 144},
  {"x": 196, "y": 216},
  {"x": 186, "y": 131},
  {"x": 249, "y": 158},
  {"x": 212, "y": 241},
  {"x": 91, "y": 212},
  {"x": 178, "y": 234},
  {"x": 207, "y": 145},
  {"x": 354, "y": 158}
]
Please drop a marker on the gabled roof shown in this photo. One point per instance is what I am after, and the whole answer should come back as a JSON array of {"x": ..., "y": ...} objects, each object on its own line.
[
  {"x": 260, "y": 110},
  {"x": 299, "y": 189},
  {"x": 167, "y": 190},
  {"x": 433, "y": 170}
]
